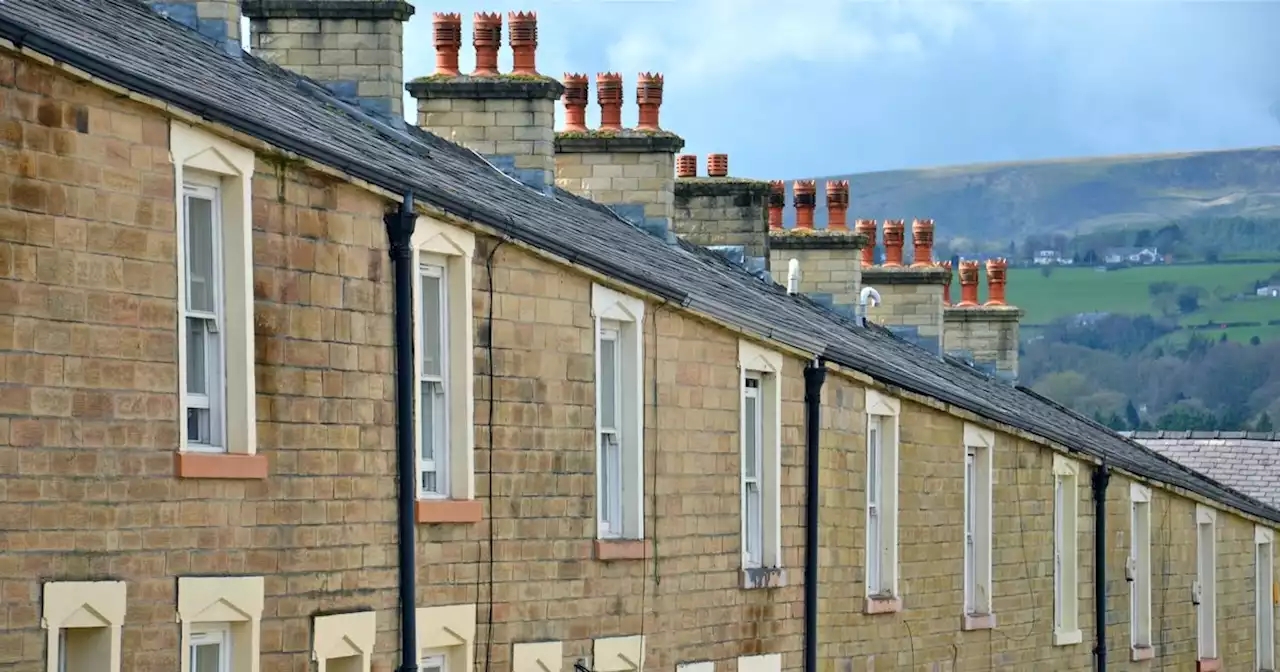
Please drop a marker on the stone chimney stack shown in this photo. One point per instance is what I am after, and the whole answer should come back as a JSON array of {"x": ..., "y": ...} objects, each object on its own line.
[
  {"x": 218, "y": 20},
  {"x": 630, "y": 170},
  {"x": 726, "y": 214},
  {"x": 507, "y": 118},
  {"x": 986, "y": 335},
  {"x": 353, "y": 47},
  {"x": 830, "y": 258},
  {"x": 912, "y": 300}
]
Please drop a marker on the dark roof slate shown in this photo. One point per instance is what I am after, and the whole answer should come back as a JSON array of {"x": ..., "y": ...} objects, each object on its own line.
[{"x": 124, "y": 42}]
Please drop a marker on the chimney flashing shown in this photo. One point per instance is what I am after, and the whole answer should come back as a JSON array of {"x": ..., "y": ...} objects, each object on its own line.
[{"x": 375, "y": 10}]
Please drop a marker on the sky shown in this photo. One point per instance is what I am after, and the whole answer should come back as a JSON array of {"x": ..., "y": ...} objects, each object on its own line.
[{"x": 821, "y": 87}]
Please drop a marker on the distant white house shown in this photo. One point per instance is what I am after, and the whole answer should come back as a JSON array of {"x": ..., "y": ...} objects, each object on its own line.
[
  {"x": 1272, "y": 292},
  {"x": 1132, "y": 255},
  {"x": 1051, "y": 258}
]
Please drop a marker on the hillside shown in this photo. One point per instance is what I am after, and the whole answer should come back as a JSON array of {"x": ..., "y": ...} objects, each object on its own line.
[{"x": 1010, "y": 201}]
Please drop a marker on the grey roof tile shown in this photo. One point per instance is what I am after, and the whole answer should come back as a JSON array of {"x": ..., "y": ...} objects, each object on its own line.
[
  {"x": 1251, "y": 466},
  {"x": 124, "y": 42}
]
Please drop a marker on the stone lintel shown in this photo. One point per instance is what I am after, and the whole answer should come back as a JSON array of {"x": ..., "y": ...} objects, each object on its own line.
[
  {"x": 905, "y": 275},
  {"x": 624, "y": 141},
  {"x": 980, "y": 313},
  {"x": 693, "y": 187},
  {"x": 816, "y": 239},
  {"x": 500, "y": 87},
  {"x": 397, "y": 10}
]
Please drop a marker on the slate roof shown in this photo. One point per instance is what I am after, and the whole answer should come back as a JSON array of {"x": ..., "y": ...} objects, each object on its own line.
[
  {"x": 124, "y": 42},
  {"x": 1249, "y": 462}
]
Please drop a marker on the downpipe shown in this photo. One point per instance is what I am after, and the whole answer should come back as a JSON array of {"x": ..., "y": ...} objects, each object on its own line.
[
  {"x": 400, "y": 227},
  {"x": 1101, "y": 477},
  {"x": 815, "y": 374}
]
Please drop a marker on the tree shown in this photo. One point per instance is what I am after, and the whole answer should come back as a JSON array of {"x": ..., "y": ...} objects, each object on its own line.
[
  {"x": 1131, "y": 414},
  {"x": 1187, "y": 416},
  {"x": 1046, "y": 271},
  {"x": 1189, "y": 300},
  {"x": 1254, "y": 340},
  {"x": 1263, "y": 424}
]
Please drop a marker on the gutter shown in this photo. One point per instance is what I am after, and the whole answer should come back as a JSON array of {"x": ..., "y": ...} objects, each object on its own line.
[
  {"x": 400, "y": 227},
  {"x": 1101, "y": 477},
  {"x": 815, "y": 374}
]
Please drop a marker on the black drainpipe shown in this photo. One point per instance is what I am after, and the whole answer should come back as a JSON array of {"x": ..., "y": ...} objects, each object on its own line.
[
  {"x": 815, "y": 374},
  {"x": 1101, "y": 476},
  {"x": 400, "y": 234}
]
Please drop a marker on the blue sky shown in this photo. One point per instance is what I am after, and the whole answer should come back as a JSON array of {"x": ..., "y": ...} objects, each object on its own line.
[{"x": 820, "y": 87}]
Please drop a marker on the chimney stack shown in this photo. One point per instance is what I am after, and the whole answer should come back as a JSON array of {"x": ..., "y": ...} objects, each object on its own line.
[
  {"x": 867, "y": 228},
  {"x": 894, "y": 231},
  {"x": 217, "y": 20},
  {"x": 486, "y": 38},
  {"x": 355, "y": 49},
  {"x": 717, "y": 165},
  {"x": 837, "y": 205},
  {"x": 804, "y": 195},
  {"x": 922, "y": 241},
  {"x": 986, "y": 336},
  {"x": 609, "y": 97},
  {"x": 727, "y": 216},
  {"x": 946, "y": 289},
  {"x": 968, "y": 284},
  {"x": 523, "y": 38},
  {"x": 648, "y": 99},
  {"x": 997, "y": 270},
  {"x": 687, "y": 165},
  {"x": 575, "y": 103},
  {"x": 777, "y": 201}
]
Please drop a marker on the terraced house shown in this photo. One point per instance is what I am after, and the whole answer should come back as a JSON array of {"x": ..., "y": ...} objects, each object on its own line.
[{"x": 286, "y": 384}]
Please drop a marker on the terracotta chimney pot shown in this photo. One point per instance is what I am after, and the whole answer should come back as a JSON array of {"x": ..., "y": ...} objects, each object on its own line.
[
  {"x": 837, "y": 205},
  {"x": 717, "y": 165},
  {"x": 867, "y": 228},
  {"x": 486, "y": 37},
  {"x": 997, "y": 275},
  {"x": 946, "y": 289},
  {"x": 922, "y": 241},
  {"x": 777, "y": 201},
  {"x": 805, "y": 196},
  {"x": 649, "y": 100},
  {"x": 894, "y": 238},
  {"x": 609, "y": 96},
  {"x": 968, "y": 284},
  {"x": 687, "y": 165},
  {"x": 448, "y": 41},
  {"x": 523, "y": 37},
  {"x": 575, "y": 103}
]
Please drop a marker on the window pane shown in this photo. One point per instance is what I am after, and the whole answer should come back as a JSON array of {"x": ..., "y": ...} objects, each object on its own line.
[
  {"x": 608, "y": 383},
  {"x": 200, "y": 247},
  {"x": 206, "y": 657},
  {"x": 432, "y": 325},
  {"x": 611, "y": 482},
  {"x": 197, "y": 356},
  {"x": 751, "y": 439},
  {"x": 433, "y": 441},
  {"x": 873, "y": 463},
  {"x": 198, "y": 426},
  {"x": 755, "y": 529}
]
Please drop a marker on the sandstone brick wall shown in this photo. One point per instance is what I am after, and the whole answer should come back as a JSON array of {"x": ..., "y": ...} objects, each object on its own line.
[
  {"x": 515, "y": 134},
  {"x": 829, "y": 276},
  {"x": 711, "y": 211},
  {"x": 638, "y": 185},
  {"x": 911, "y": 302},
  {"x": 88, "y": 427},
  {"x": 988, "y": 336}
]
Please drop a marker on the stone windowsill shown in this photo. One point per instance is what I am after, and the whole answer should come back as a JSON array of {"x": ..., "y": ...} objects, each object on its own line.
[
  {"x": 882, "y": 605},
  {"x": 978, "y": 622},
  {"x": 763, "y": 577},
  {"x": 1067, "y": 638},
  {"x": 446, "y": 511},
  {"x": 231, "y": 466},
  {"x": 1140, "y": 653},
  {"x": 1208, "y": 665},
  {"x": 623, "y": 549}
]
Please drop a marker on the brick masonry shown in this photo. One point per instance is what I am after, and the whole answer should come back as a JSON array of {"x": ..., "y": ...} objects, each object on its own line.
[
  {"x": 911, "y": 302},
  {"x": 633, "y": 172},
  {"x": 509, "y": 120},
  {"x": 724, "y": 212},
  {"x": 986, "y": 336},
  {"x": 88, "y": 425},
  {"x": 830, "y": 267},
  {"x": 354, "y": 48}
]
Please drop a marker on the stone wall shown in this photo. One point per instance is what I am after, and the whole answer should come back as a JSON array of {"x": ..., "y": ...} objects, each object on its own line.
[
  {"x": 830, "y": 267},
  {"x": 911, "y": 302},
  {"x": 632, "y": 172},
  {"x": 724, "y": 212},
  {"x": 987, "y": 336}
]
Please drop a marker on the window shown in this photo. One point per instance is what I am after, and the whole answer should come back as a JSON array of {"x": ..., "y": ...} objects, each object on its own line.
[
  {"x": 219, "y": 620},
  {"x": 761, "y": 466},
  {"x": 1265, "y": 618},
  {"x": 618, "y": 654},
  {"x": 215, "y": 299},
  {"x": 446, "y": 638},
  {"x": 344, "y": 642},
  {"x": 84, "y": 620},
  {"x": 619, "y": 414},
  {"x": 444, "y": 344},
  {"x": 1066, "y": 560},
  {"x": 1205, "y": 588},
  {"x": 882, "y": 503},
  {"x": 1138, "y": 572},
  {"x": 979, "y": 444}
]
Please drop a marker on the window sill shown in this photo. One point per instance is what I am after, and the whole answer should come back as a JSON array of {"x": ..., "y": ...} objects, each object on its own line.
[
  {"x": 1140, "y": 653},
  {"x": 882, "y": 605},
  {"x": 763, "y": 577},
  {"x": 1208, "y": 665},
  {"x": 623, "y": 549},
  {"x": 978, "y": 622},
  {"x": 448, "y": 511},
  {"x": 220, "y": 465},
  {"x": 1067, "y": 638}
]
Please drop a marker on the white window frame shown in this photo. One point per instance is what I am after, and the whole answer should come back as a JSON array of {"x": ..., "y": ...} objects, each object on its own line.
[
  {"x": 448, "y": 252},
  {"x": 765, "y": 368},
  {"x": 1138, "y": 573},
  {"x": 439, "y": 464},
  {"x": 620, "y": 316},
  {"x": 439, "y": 661},
  {"x": 219, "y": 635},
  {"x": 213, "y": 399},
  {"x": 211, "y": 166},
  {"x": 1205, "y": 588},
  {"x": 97, "y": 605},
  {"x": 222, "y": 603},
  {"x": 448, "y": 632},
  {"x": 1264, "y": 597},
  {"x": 881, "y": 576},
  {"x": 979, "y": 477},
  {"x": 1066, "y": 556},
  {"x": 752, "y": 473}
]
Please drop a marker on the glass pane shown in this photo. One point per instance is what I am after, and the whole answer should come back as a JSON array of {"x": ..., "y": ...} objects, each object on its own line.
[
  {"x": 197, "y": 356},
  {"x": 205, "y": 657},
  {"x": 200, "y": 279},
  {"x": 428, "y": 438},
  {"x": 611, "y": 482},
  {"x": 198, "y": 430},
  {"x": 608, "y": 384},
  {"x": 432, "y": 325},
  {"x": 751, "y": 438},
  {"x": 755, "y": 527},
  {"x": 971, "y": 499},
  {"x": 873, "y": 464}
]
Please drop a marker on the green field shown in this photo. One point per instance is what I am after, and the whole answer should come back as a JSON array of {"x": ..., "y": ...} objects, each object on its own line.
[{"x": 1069, "y": 291}]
